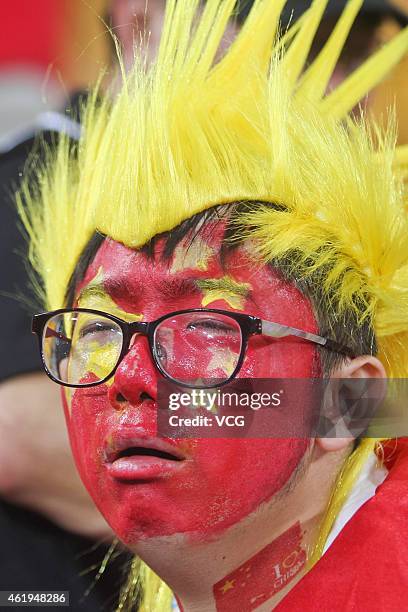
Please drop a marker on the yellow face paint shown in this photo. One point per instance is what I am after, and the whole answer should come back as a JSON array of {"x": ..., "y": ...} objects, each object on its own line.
[
  {"x": 225, "y": 288},
  {"x": 222, "y": 360},
  {"x": 68, "y": 393},
  {"x": 95, "y": 349},
  {"x": 196, "y": 256},
  {"x": 93, "y": 296},
  {"x": 96, "y": 358}
]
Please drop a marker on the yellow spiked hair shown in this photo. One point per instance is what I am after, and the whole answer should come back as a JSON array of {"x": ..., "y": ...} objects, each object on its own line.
[{"x": 258, "y": 125}]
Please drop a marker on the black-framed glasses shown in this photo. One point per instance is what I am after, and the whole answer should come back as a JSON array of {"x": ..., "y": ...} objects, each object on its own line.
[{"x": 195, "y": 348}]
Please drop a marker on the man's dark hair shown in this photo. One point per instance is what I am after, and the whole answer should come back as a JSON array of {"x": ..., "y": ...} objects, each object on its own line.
[{"x": 342, "y": 326}]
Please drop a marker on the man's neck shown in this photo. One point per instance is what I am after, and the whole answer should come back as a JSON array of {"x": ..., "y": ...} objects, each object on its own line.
[{"x": 254, "y": 563}]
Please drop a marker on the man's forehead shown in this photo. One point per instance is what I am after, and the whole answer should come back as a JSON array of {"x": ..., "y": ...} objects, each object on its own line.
[
  {"x": 172, "y": 264},
  {"x": 203, "y": 238},
  {"x": 193, "y": 258},
  {"x": 188, "y": 273},
  {"x": 178, "y": 251},
  {"x": 149, "y": 284}
]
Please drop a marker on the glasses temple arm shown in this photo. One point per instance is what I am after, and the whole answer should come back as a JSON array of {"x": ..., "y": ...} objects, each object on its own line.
[{"x": 275, "y": 330}]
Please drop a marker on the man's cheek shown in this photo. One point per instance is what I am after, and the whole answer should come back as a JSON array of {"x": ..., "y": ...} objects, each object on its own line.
[
  {"x": 248, "y": 472},
  {"x": 82, "y": 416},
  {"x": 76, "y": 442}
]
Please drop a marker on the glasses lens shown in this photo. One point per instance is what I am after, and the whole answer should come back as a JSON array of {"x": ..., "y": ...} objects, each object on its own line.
[
  {"x": 81, "y": 347},
  {"x": 199, "y": 348}
]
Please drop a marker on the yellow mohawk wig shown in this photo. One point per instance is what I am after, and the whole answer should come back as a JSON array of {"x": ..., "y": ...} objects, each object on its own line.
[{"x": 191, "y": 133}]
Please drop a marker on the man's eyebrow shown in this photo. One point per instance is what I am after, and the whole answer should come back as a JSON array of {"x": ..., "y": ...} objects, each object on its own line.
[
  {"x": 176, "y": 287},
  {"x": 225, "y": 283},
  {"x": 168, "y": 288},
  {"x": 96, "y": 290},
  {"x": 108, "y": 288}
]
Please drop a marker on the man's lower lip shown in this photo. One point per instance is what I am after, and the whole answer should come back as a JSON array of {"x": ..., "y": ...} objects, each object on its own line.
[{"x": 142, "y": 467}]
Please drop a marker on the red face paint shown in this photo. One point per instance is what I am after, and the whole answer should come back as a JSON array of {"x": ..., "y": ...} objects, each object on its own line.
[
  {"x": 262, "y": 576},
  {"x": 220, "y": 481}
]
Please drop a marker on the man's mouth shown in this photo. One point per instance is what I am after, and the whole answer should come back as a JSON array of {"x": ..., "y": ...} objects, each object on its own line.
[
  {"x": 147, "y": 452},
  {"x": 133, "y": 459}
]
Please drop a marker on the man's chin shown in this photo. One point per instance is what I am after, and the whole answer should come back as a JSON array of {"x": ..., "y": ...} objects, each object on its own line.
[
  {"x": 141, "y": 535},
  {"x": 143, "y": 544},
  {"x": 163, "y": 524}
]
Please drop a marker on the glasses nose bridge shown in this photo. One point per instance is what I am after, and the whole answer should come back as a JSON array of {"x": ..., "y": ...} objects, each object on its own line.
[
  {"x": 135, "y": 328},
  {"x": 138, "y": 327}
]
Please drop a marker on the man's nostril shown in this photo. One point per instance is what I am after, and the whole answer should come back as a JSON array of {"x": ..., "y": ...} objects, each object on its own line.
[
  {"x": 145, "y": 396},
  {"x": 120, "y": 398}
]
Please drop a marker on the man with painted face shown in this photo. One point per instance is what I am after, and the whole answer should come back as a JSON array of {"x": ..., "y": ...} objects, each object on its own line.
[{"x": 226, "y": 221}]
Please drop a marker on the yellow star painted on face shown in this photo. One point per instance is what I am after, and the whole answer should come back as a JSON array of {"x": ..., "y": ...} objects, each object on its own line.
[
  {"x": 222, "y": 359},
  {"x": 101, "y": 360},
  {"x": 195, "y": 257},
  {"x": 225, "y": 288},
  {"x": 98, "y": 359},
  {"x": 94, "y": 297},
  {"x": 228, "y": 584}
]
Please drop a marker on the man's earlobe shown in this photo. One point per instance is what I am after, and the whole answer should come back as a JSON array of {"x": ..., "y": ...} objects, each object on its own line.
[{"x": 355, "y": 390}]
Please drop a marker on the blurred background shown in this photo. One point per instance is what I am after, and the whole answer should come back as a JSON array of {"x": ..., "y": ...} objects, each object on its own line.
[
  {"x": 48, "y": 49},
  {"x": 52, "y": 48}
]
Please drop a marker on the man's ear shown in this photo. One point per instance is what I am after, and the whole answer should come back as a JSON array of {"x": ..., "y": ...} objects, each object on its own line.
[{"x": 363, "y": 368}]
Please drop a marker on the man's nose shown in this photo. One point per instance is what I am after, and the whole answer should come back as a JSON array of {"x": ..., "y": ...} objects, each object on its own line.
[{"x": 135, "y": 380}]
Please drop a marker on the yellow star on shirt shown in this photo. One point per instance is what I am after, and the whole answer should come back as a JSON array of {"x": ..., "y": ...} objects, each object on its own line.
[{"x": 228, "y": 584}]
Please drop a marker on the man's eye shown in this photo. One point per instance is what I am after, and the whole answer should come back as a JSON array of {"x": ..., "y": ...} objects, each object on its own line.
[{"x": 94, "y": 328}]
